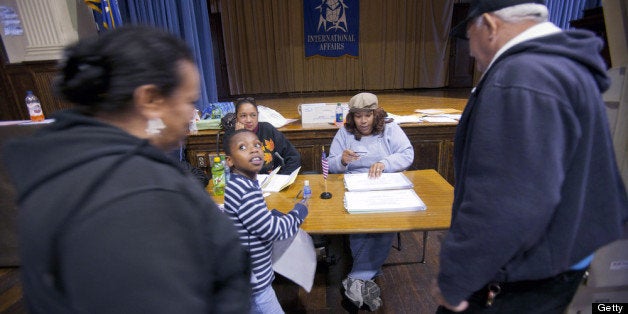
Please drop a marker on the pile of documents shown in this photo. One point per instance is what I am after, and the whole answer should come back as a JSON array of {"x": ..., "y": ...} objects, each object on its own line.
[
  {"x": 391, "y": 192},
  {"x": 442, "y": 115}
]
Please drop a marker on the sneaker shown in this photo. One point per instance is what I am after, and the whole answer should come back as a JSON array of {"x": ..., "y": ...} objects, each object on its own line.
[
  {"x": 353, "y": 290},
  {"x": 371, "y": 295},
  {"x": 361, "y": 292}
]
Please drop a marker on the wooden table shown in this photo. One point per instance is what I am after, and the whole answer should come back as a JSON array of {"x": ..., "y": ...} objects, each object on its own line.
[{"x": 330, "y": 217}]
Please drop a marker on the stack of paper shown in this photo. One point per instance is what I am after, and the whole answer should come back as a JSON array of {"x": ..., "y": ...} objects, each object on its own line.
[
  {"x": 274, "y": 182},
  {"x": 383, "y": 201},
  {"x": 391, "y": 192},
  {"x": 441, "y": 115},
  {"x": 387, "y": 181}
]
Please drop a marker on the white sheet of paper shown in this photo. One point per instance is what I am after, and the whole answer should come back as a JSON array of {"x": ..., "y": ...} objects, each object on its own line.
[
  {"x": 295, "y": 259},
  {"x": 387, "y": 181},
  {"x": 412, "y": 118},
  {"x": 383, "y": 201},
  {"x": 439, "y": 119},
  {"x": 277, "y": 182}
]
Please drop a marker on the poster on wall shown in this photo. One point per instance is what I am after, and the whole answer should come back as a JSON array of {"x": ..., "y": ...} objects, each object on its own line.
[
  {"x": 331, "y": 27},
  {"x": 10, "y": 21}
]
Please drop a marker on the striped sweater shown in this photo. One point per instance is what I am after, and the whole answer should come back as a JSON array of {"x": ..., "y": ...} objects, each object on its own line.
[{"x": 258, "y": 227}]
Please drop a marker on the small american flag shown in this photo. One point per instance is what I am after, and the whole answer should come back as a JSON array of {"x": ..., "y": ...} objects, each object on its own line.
[{"x": 325, "y": 164}]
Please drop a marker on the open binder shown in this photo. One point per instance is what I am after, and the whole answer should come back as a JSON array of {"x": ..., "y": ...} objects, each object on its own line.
[
  {"x": 392, "y": 192},
  {"x": 274, "y": 182}
]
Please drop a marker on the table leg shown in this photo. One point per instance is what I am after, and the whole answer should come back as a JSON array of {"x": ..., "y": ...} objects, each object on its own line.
[{"x": 424, "y": 247}]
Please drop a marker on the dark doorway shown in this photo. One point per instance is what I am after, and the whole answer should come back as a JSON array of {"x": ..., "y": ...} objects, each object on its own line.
[
  {"x": 220, "y": 61},
  {"x": 461, "y": 65}
]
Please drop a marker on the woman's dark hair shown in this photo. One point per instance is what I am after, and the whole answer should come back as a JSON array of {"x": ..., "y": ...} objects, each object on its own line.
[
  {"x": 379, "y": 120},
  {"x": 228, "y": 137},
  {"x": 101, "y": 73},
  {"x": 245, "y": 100}
]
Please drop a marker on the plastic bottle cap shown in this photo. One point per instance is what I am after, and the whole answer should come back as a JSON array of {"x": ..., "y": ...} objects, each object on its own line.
[
  {"x": 306, "y": 182},
  {"x": 216, "y": 159}
]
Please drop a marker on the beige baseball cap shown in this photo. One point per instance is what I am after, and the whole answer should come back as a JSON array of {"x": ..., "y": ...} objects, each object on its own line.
[{"x": 363, "y": 101}]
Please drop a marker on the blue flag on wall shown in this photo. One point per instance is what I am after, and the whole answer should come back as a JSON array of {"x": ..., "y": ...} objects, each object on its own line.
[
  {"x": 106, "y": 13},
  {"x": 331, "y": 27}
]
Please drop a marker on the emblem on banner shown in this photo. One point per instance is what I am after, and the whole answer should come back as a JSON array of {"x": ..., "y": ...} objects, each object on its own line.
[{"x": 333, "y": 15}]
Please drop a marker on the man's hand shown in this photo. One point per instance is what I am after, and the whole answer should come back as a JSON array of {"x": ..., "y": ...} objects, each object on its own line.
[{"x": 436, "y": 293}]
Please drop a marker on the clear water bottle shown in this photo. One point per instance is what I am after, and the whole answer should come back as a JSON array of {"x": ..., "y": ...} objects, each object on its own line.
[
  {"x": 307, "y": 190},
  {"x": 218, "y": 177},
  {"x": 339, "y": 114},
  {"x": 227, "y": 171},
  {"x": 34, "y": 107}
]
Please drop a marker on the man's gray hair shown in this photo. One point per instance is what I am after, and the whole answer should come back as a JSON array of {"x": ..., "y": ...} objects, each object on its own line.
[{"x": 523, "y": 12}]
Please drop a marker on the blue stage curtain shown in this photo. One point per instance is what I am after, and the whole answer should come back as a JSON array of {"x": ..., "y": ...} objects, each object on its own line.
[
  {"x": 563, "y": 11},
  {"x": 188, "y": 19}
]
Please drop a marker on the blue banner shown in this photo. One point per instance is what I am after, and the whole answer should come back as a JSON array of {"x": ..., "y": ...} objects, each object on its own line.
[{"x": 331, "y": 27}]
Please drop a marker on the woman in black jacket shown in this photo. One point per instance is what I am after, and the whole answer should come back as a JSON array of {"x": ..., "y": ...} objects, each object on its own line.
[
  {"x": 278, "y": 151},
  {"x": 108, "y": 223}
]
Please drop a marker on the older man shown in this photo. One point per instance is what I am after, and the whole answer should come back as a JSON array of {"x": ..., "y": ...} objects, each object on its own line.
[{"x": 537, "y": 186}]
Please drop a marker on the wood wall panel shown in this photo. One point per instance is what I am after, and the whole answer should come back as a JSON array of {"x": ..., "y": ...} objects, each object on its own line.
[{"x": 35, "y": 76}]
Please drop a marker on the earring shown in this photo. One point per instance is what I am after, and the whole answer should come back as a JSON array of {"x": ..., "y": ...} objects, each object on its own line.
[{"x": 155, "y": 126}]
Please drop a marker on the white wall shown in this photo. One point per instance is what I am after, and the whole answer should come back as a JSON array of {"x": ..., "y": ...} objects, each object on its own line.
[{"x": 49, "y": 25}]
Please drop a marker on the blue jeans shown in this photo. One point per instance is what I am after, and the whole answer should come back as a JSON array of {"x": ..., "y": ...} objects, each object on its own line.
[
  {"x": 547, "y": 296},
  {"x": 369, "y": 252},
  {"x": 265, "y": 302}
]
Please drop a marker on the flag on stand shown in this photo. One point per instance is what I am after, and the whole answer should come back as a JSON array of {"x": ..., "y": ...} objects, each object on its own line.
[
  {"x": 325, "y": 164},
  {"x": 106, "y": 13}
]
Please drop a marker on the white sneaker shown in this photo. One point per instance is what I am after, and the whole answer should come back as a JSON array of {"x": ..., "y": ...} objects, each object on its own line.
[{"x": 361, "y": 292}]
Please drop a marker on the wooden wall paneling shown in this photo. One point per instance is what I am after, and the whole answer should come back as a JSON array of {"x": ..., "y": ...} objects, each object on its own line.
[
  {"x": 7, "y": 110},
  {"x": 446, "y": 164},
  {"x": 35, "y": 76},
  {"x": 426, "y": 154}
]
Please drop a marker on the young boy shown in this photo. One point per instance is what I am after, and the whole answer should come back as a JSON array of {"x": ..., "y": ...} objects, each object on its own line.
[{"x": 257, "y": 226}]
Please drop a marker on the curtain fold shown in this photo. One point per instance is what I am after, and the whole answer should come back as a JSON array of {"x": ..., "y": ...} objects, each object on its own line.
[
  {"x": 188, "y": 19},
  {"x": 403, "y": 45},
  {"x": 563, "y": 11}
]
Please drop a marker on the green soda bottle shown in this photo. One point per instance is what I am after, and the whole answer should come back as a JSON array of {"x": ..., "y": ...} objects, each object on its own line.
[{"x": 218, "y": 176}]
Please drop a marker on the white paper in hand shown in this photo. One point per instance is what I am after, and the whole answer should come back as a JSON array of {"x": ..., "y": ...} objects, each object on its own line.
[{"x": 295, "y": 259}]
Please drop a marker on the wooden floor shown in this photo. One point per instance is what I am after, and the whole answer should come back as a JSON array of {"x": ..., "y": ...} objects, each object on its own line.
[{"x": 405, "y": 282}]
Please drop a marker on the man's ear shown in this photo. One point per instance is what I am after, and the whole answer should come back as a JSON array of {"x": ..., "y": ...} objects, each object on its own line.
[
  {"x": 148, "y": 101},
  {"x": 229, "y": 161},
  {"x": 491, "y": 23}
]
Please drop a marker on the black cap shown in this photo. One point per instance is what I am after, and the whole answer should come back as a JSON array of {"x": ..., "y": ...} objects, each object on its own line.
[{"x": 479, "y": 7}]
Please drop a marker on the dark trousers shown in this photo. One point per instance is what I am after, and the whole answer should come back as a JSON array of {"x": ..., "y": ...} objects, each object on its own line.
[{"x": 551, "y": 295}]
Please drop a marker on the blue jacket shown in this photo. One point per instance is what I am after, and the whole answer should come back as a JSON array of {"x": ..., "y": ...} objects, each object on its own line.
[{"x": 537, "y": 185}]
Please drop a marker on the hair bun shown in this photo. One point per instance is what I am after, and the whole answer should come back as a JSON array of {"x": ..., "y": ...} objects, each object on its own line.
[{"x": 84, "y": 78}]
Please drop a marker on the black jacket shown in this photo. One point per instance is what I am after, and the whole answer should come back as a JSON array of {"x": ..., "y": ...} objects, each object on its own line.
[{"x": 110, "y": 224}]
